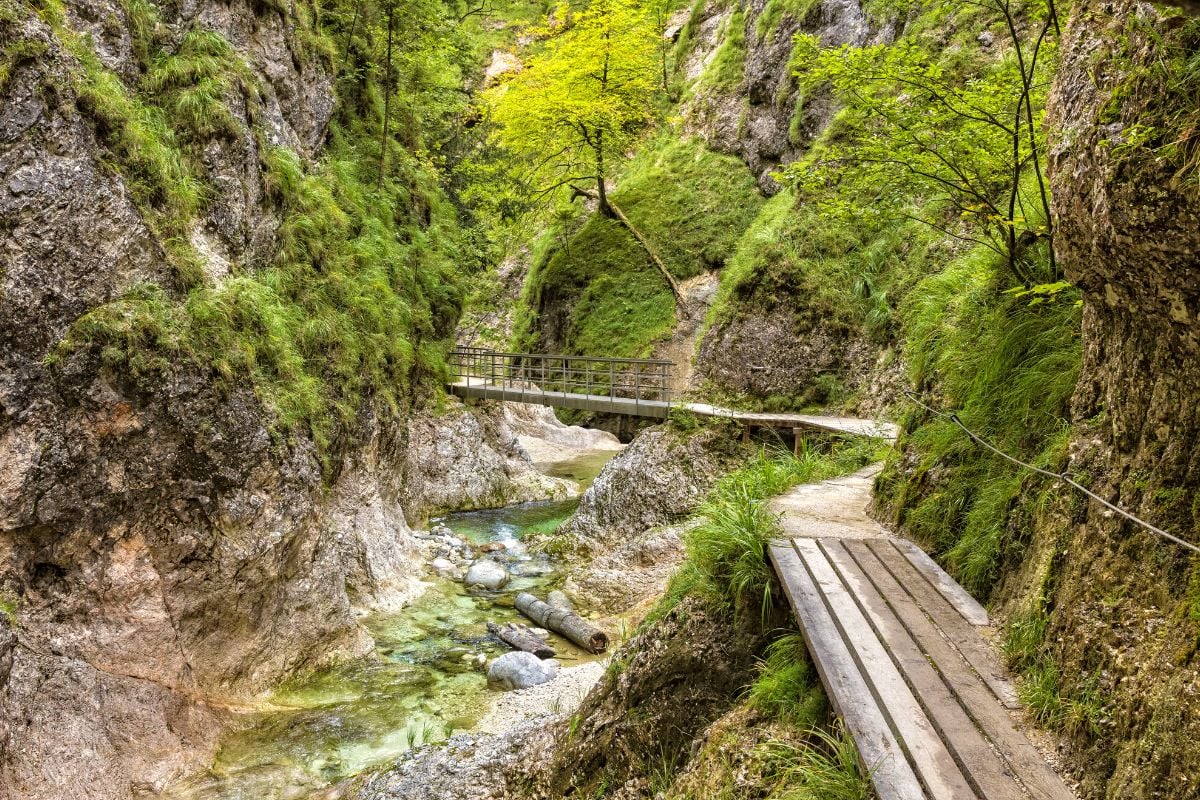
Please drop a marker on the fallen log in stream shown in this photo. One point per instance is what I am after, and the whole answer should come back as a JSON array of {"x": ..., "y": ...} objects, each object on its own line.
[
  {"x": 519, "y": 637},
  {"x": 563, "y": 622}
]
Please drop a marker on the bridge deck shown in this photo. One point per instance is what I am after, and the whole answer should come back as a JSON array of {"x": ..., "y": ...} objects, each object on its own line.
[
  {"x": 659, "y": 409},
  {"x": 897, "y": 644}
]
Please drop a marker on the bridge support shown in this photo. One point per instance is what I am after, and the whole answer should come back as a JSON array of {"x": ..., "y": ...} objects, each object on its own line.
[{"x": 797, "y": 441}]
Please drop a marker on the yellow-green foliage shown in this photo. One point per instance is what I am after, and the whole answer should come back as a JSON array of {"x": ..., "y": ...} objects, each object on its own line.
[
  {"x": 787, "y": 688},
  {"x": 192, "y": 84}
]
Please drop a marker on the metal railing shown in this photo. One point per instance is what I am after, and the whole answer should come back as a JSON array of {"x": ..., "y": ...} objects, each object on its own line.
[{"x": 637, "y": 379}]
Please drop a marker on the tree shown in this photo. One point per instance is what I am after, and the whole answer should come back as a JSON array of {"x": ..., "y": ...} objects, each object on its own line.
[
  {"x": 927, "y": 130},
  {"x": 580, "y": 104}
]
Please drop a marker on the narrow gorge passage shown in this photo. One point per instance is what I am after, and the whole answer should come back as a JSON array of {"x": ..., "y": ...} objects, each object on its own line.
[{"x": 254, "y": 256}]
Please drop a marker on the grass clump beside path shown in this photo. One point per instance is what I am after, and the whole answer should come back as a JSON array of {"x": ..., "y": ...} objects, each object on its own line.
[{"x": 726, "y": 561}]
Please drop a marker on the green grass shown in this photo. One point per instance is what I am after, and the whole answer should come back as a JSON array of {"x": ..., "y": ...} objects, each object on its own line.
[
  {"x": 726, "y": 70},
  {"x": 690, "y": 203},
  {"x": 726, "y": 553},
  {"x": 786, "y": 688},
  {"x": 1008, "y": 369},
  {"x": 8, "y": 608},
  {"x": 838, "y": 272},
  {"x": 774, "y": 12},
  {"x": 824, "y": 767},
  {"x": 350, "y": 314},
  {"x": 192, "y": 83}
]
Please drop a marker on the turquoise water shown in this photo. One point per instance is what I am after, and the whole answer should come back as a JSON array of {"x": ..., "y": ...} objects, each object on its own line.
[{"x": 418, "y": 687}]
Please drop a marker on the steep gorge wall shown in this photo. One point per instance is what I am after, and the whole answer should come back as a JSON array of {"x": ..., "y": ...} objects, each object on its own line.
[
  {"x": 1124, "y": 607},
  {"x": 168, "y": 549}
]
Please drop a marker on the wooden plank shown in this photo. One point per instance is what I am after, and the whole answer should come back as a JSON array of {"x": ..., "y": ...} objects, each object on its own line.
[
  {"x": 966, "y": 685},
  {"x": 988, "y": 774},
  {"x": 934, "y": 765},
  {"x": 949, "y": 588},
  {"x": 960, "y": 633},
  {"x": 878, "y": 751}
]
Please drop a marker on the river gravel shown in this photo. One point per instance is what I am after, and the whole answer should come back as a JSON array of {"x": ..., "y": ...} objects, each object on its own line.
[{"x": 559, "y": 696}]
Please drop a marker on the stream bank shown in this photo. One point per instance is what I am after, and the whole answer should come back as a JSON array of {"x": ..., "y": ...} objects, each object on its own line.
[{"x": 425, "y": 678}]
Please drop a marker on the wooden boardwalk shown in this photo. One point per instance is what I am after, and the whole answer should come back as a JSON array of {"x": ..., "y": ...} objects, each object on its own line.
[{"x": 897, "y": 644}]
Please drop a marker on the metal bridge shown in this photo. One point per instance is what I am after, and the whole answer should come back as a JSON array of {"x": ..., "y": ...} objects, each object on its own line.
[{"x": 639, "y": 387}]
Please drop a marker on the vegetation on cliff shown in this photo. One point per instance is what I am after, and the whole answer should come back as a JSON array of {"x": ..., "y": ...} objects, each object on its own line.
[{"x": 347, "y": 309}]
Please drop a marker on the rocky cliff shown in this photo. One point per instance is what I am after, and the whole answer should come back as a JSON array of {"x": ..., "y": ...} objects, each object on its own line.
[
  {"x": 177, "y": 533},
  {"x": 1123, "y": 603}
]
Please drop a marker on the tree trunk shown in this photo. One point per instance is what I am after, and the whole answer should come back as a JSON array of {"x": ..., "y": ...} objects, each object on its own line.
[
  {"x": 387, "y": 99},
  {"x": 601, "y": 192},
  {"x": 614, "y": 212},
  {"x": 563, "y": 622},
  {"x": 519, "y": 637},
  {"x": 619, "y": 215}
]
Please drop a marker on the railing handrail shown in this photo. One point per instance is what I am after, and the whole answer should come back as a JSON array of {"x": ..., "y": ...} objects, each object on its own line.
[{"x": 557, "y": 357}]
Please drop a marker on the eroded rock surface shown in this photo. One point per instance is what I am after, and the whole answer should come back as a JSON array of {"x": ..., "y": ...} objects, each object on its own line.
[
  {"x": 1129, "y": 236},
  {"x": 658, "y": 479}
]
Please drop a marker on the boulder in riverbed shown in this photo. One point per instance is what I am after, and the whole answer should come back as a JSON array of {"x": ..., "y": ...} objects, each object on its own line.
[
  {"x": 559, "y": 599},
  {"x": 520, "y": 670},
  {"x": 445, "y": 568},
  {"x": 487, "y": 574}
]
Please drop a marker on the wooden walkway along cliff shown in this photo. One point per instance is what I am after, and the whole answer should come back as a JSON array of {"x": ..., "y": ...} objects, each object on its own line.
[
  {"x": 638, "y": 387},
  {"x": 896, "y": 642}
]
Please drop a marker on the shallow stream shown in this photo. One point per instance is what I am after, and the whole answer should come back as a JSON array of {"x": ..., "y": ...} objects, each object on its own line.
[{"x": 421, "y": 686}]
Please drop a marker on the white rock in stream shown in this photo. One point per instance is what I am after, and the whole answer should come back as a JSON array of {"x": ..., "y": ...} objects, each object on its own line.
[
  {"x": 520, "y": 670},
  {"x": 487, "y": 574},
  {"x": 445, "y": 568}
]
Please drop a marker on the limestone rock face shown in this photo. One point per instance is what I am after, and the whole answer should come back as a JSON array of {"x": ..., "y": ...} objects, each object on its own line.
[
  {"x": 658, "y": 479},
  {"x": 1128, "y": 234},
  {"x": 170, "y": 555},
  {"x": 753, "y": 120},
  {"x": 467, "y": 458}
]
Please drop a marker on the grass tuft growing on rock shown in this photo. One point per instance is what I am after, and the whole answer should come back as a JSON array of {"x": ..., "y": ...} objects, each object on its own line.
[
  {"x": 786, "y": 688},
  {"x": 825, "y": 767},
  {"x": 346, "y": 316}
]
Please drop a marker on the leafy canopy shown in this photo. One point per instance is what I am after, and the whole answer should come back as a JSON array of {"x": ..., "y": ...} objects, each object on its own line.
[
  {"x": 925, "y": 126},
  {"x": 583, "y": 99}
]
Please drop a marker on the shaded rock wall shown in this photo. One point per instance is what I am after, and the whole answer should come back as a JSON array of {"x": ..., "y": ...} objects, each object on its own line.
[
  {"x": 169, "y": 555},
  {"x": 1124, "y": 602}
]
